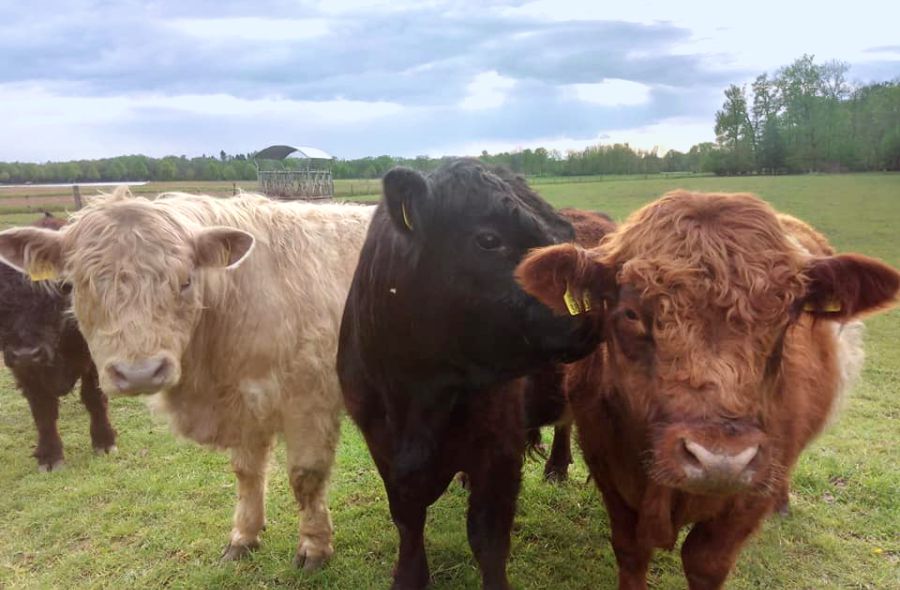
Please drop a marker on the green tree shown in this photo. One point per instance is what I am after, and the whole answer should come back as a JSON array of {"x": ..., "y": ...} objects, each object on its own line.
[{"x": 734, "y": 133}]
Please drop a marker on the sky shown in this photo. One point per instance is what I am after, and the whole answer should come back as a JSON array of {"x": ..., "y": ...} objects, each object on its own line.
[{"x": 90, "y": 79}]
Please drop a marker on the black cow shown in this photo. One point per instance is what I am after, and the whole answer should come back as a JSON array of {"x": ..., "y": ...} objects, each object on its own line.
[
  {"x": 435, "y": 338},
  {"x": 46, "y": 354}
]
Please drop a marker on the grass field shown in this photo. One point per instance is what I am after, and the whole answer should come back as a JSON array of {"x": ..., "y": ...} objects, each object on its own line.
[{"x": 157, "y": 514}]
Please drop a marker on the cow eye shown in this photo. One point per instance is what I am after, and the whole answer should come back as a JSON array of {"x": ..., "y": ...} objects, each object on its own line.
[
  {"x": 186, "y": 285},
  {"x": 66, "y": 288},
  {"x": 488, "y": 241},
  {"x": 631, "y": 314}
]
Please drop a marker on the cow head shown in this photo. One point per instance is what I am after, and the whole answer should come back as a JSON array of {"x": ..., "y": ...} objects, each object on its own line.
[
  {"x": 462, "y": 231},
  {"x": 33, "y": 315},
  {"x": 140, "y": 276},
  {"x": 699, "y": 294},
  {"x": 33, "y": 319}
]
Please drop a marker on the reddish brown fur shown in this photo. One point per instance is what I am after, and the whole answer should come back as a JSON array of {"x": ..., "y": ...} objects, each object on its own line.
[{"x": 706, "y": 341}]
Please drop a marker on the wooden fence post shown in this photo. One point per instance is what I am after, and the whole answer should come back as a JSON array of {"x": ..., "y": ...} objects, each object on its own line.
[{"x": 76, "y": 194}]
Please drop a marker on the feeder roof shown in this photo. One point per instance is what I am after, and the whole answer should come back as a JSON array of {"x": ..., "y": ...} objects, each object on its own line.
[{"x": 280, "y": 152}]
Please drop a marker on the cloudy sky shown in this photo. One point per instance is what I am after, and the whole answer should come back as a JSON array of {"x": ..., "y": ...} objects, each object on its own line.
[{"x": 90, "y": 79}]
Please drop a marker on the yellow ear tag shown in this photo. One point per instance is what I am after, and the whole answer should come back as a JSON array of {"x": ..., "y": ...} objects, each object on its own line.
[
  {"x": 42, "y": 273},
  {"x": 586, "y": 300},
  {"x": 572, "y": 304},
  {"x": 405, "y": 216},
  {"x": 833, "y": 306}
]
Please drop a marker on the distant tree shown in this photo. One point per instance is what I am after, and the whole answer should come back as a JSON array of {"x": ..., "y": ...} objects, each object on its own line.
[
  {"x": 166, "y": 171},
  {"x": 890, "y": 149},
  {"x": 90, "y": 172},
  {"x": 734, "y": 133}
]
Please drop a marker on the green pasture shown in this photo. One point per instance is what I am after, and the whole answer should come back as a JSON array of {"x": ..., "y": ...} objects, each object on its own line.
[{"x": 157, "y": 513}]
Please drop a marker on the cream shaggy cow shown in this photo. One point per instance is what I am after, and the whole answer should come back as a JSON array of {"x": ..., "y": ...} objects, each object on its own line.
[{"x": 230, "y": 309}]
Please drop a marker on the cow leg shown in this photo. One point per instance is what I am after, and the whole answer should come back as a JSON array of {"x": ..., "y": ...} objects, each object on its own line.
[
  {"x": 311, "y": 445},
  {"x": 408, "y": 511},
  {"x": 45, "y": 411},
  {"x": 103, "y": 435},
  {"x": 557, "y": 467},
  {"x": 492, "y": 507},
  {"x": 783, "y": 498},
  {"x": 632, "y": 557},
  {"x": 712, "y": 547},
  {"x": 249, "y": 464},
  {"x": 534, "y": 442}
]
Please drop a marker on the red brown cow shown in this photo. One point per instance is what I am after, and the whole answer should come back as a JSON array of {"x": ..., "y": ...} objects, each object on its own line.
[
  {"x": 46, "y": 354},
  {"x": 727, "y": 345}
]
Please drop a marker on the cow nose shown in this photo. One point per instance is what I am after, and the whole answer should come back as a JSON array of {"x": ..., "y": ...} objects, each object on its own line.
[
  {"x": 26, "y": 355},
  {"x": 143, "y": 375},
  {"x": 701, "y": 463}
]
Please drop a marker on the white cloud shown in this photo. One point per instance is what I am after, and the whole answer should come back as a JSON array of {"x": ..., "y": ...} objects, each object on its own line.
[
  {"x": 762, "y": 36},
  {"x": 56, "y": 122},
  {"x": 610, "y": 92},
  {"x": 488, "y": 90},
  {"x": 669, "y": 134},
  {"x": 251, "y": 28}
]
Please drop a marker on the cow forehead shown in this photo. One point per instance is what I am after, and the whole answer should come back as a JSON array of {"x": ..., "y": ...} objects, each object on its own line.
[
  {"x": 120, "y": 234},
  {"x": 698, "y": 255},
  {"x": 466, "y": 190},
  {"x": 121, "y": 228}
]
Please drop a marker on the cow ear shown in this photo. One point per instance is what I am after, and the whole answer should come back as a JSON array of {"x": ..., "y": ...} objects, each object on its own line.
[
  {"x": 405, "y": 192},
  {"x": 34, "y": 251},
  {"x": 566, "y": 279},
  {"x": 845, "y": 286},
  {"x": 222, "y": 247}
]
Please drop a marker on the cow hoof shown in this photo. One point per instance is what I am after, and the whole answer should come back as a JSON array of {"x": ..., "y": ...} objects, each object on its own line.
[
  {"x": 110, "y": 450},
  {"x": 309, "y": 563},
  {"x": 234, "y": 552},
  {"x": 556, "y": 476},
  {"x": 54, "y": 466}
]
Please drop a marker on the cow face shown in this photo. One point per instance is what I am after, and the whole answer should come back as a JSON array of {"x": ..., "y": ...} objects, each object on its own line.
[
  {"x": 463, "y": 231},
  {"x": 33, "y": 319},
  {"x": 139, "y": 277},
  {"x": 701, "y": 295},
  {"x": 33, "y": 315}
]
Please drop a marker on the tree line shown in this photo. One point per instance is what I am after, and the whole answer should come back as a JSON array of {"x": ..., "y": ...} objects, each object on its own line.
[
  {"x": 805, "y": 117},
  {"x": 600, "y": 159}
]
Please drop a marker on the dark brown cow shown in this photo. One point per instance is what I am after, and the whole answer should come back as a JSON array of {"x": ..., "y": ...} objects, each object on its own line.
[
  {"x": 545, "y": 396},
  {"x": 729, "y": 337},
  {"x": 46, "y": 354}
]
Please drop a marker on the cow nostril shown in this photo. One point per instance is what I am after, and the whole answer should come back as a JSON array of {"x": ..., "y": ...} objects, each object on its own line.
[
  {"x": 689, "y": 456},
  {"x": 162, "y": 370},
  {"x": 117, "y": 376}
]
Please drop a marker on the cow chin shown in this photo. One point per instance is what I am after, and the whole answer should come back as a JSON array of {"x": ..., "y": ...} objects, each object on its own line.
[
  {"x": 712, "y": 458},
  {"x": 140, "y": 376}
]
